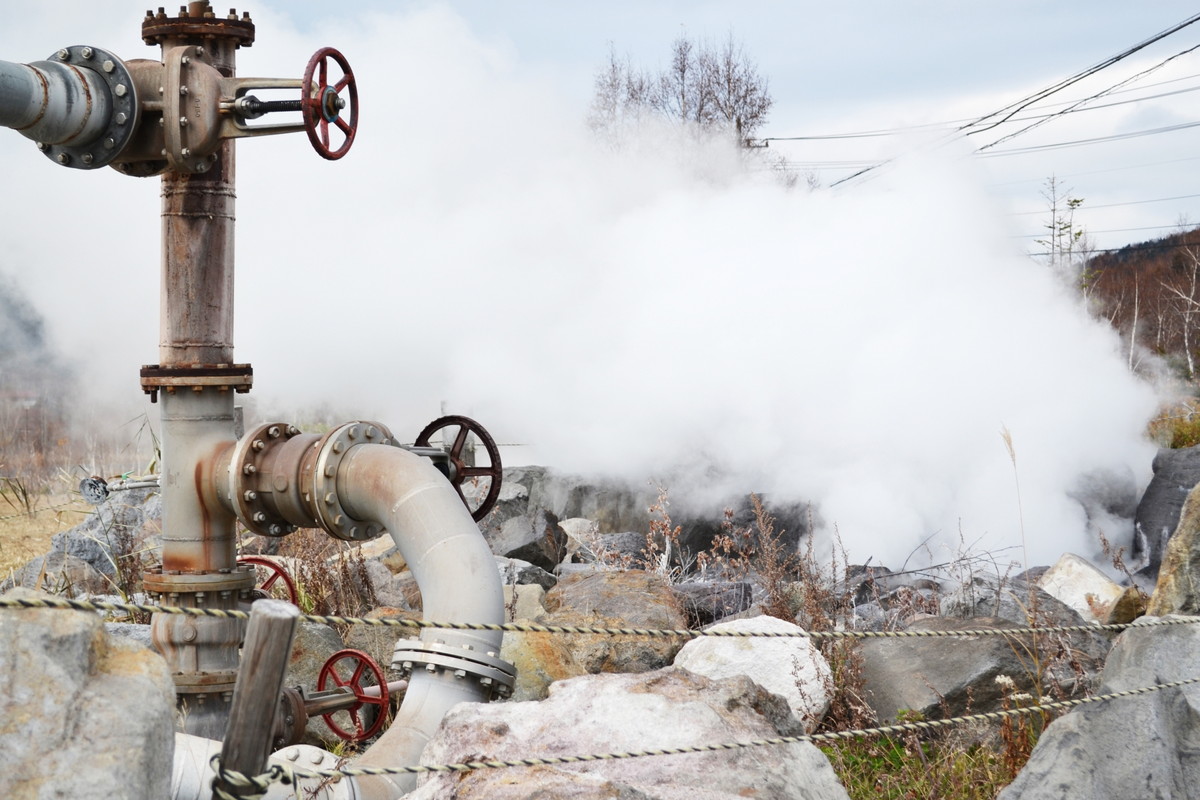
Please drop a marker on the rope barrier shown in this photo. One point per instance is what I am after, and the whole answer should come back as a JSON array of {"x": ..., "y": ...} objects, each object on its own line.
[
  {"x": 33, "y": 511},
  {"x": 860, "y": 733},
  {"x": 523, "y": 627}
]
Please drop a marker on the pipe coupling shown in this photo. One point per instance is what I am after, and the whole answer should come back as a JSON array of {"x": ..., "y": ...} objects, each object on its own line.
[
  {"x": 494, "y": 675},
  {"x": 319, "y": 474}
]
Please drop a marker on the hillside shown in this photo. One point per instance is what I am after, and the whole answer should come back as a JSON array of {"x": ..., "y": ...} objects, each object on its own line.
[{"x": 1150, "y": 292}]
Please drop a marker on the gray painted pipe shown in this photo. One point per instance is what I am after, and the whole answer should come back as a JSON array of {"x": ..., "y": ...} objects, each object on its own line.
[
  {"x": 459, "y": 582},
  {"x": 54, "y": 103}
]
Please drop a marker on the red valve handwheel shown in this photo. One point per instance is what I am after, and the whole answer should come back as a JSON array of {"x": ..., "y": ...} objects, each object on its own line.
[
  {"x": 274, "y": 573},
  {"x": 460, "y": 472},
  {"x": 354, "y": 664},
  {"x": 322, "y": 103}
]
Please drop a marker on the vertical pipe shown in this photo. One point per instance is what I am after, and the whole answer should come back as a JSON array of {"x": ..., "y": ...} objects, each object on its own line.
[{"x": 199, "y": 554}]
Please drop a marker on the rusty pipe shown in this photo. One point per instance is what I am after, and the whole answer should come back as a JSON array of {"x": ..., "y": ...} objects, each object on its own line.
[{"x": 53, "y": 102}]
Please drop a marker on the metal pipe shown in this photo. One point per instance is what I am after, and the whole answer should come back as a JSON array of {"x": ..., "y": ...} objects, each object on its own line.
[
  {"x": 457, "y": 575},
  {"x": 192, "y": 772},
  {"x": 54, "y": 103}
]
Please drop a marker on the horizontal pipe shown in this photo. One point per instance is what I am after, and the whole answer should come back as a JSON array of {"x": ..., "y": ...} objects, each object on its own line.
[{"x": 54, "y": 103}]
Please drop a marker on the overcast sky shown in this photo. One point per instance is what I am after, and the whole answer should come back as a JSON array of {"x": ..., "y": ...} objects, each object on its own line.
[{"x": 673, "y": 306}]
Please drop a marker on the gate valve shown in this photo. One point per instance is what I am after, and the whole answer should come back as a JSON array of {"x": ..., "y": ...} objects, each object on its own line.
[
  {"x": 359, "y": 680},
  {"x": 145, "y": 117},
  {"x": 271, "y": 572}
]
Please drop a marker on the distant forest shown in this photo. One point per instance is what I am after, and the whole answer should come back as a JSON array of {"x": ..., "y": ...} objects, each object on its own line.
[{"x": 1150, "y": 292}]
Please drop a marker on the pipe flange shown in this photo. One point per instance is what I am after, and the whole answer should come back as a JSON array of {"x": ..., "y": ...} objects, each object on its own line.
[
  {"x": 159, "y": 28},
  {"x": 122, "y": 122},
  {"x": 496, "y": 675},
  {"x": 319, "y": 473},
  {"x": 245, "y": 465},
  {"x": 168, "y": 582}
]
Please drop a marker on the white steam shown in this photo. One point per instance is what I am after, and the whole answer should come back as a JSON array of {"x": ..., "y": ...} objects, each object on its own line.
[{"x": 664, "y": 309}]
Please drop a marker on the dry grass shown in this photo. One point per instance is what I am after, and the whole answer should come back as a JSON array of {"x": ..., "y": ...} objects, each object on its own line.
[{"x": 25, "y": 535}]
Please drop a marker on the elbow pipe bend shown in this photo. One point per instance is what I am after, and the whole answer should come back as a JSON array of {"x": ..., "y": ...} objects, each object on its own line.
[{"x": 459, "y": 582}]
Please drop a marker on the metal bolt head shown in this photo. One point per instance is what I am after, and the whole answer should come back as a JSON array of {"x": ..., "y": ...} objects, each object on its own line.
[
  {"x": 257, "y": 445},
  {"x": 120, "y": 89},
  {"x": 87, "y": 52},
  {"x": 121, "y": 118},
  {"x": 110, "y": 143},
  {"x": 87, "y": 158},
  {"x": 183, "y": 121},
  {"x": 64, "y": 54},
  {"x": 259, "y": 516},
  {"x": 250, "y": 495},
  {"x": 338, "y": 447},
  {"x": 42, "y": 146},
  {"x": 249, "y": 469},
  {"x": 108, "y": 65},
  {"x": 185, "y": 61},
  {"x": 185, "y": 152},
  {"x": 63, "y": 159}
]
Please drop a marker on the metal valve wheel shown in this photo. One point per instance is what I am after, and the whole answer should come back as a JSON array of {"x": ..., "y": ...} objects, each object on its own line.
[
  {"x": 460, "y": 471},
  {"x": 322, "y": 103},
  {"x": 269, "y": 574},
  {"x": 349, "y": 669}
]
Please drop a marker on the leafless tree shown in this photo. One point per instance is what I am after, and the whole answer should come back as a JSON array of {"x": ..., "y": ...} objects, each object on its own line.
[{"x": 703, "y": 85}]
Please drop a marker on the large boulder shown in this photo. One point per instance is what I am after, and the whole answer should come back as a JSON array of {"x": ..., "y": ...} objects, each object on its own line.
[
  {"x": 614, "y": 713},
  {"x": 945, "y": 677},
  {"x": 127, "y": 522},
  {"x": 81, "y": 714},
  {"x": 1178, "y": 587},
  {"x": 790, "y": 667},
  {"x": 1139, "y": 746},
  {"x": 1176, "y": 472},
  {"x": 60, "y": 574},
  {"x": 1081, "y": 585},
  {"x": 628, "y": 599}
]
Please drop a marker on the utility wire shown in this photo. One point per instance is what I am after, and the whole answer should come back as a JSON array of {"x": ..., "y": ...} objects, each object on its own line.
[
  {"x": 1076, "y": 106},
  {"x": 1008, "y": 112}
]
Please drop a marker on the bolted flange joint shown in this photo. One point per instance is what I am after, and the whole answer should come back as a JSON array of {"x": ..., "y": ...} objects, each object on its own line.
[
  {"x": 319, "y": 474},
  {"x": 495, "y": 675}
]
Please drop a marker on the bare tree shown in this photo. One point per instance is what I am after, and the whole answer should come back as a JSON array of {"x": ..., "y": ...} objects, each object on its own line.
[{"x": 704, "y": 86}]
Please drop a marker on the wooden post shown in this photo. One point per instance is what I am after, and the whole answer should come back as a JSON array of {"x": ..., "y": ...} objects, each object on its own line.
[{"x": 256, "y": 694}]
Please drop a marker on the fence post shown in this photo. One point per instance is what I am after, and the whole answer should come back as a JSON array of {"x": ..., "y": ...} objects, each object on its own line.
[{"x": 265, "y": 655}]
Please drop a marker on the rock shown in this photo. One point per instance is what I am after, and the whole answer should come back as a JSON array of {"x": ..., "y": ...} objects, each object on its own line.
[
  {"x": 514, "y": 571},
  {"x": 791, "y": 668},
  {"x": 126, "y": 523},
  {"x": 536, "y": 538},
  {"x": 1078, "y": 583},
  {"x": 581, "y": 535},
  {"x": 61, "y": 574},
  {"x": 540, "y": 659},
  {"x": 82, "y": 714},
  {"x": 632, "y": 599},
  {"x": 1178, "y": 587},
  {"x": 390, "y": 590},
  {"x": 130, "y": 632},
  {"x": 523, "y": 602},
  {"x": 612, "y": 504},
  {"x": 1176, "y": 472},
  {"x": 1140, "y": 746},
  {"x": 614, "y": 713},
  {"x": 706, "y": 602},
  {"x": 1013, "y": 601},
  {"x": 944, "y": 678}
]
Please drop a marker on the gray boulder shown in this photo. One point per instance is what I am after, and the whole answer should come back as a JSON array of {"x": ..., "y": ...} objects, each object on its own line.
[
  {"x": 127, "y": 522},
  {"x": 1178, "y": 587},
  {"x": 535, "y": 537},
  {"x": 613, "y": 713},
  {"x": 1176, "y": 472},
  {"x": 60, "y": 574},
  {"x": 82, "y": 714},
  {"x": 948, "y": 677},
  {"x": 311, "y": 648},
  {"x": 708, "y": 601},
  {"x": 1134, "y": 747}
]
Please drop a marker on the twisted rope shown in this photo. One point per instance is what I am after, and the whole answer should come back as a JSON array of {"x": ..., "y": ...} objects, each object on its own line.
[
  {"x": 525, "y": 627},
  {"x": 837, "y": 736},
  {"x": 33, "y": 511}
]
